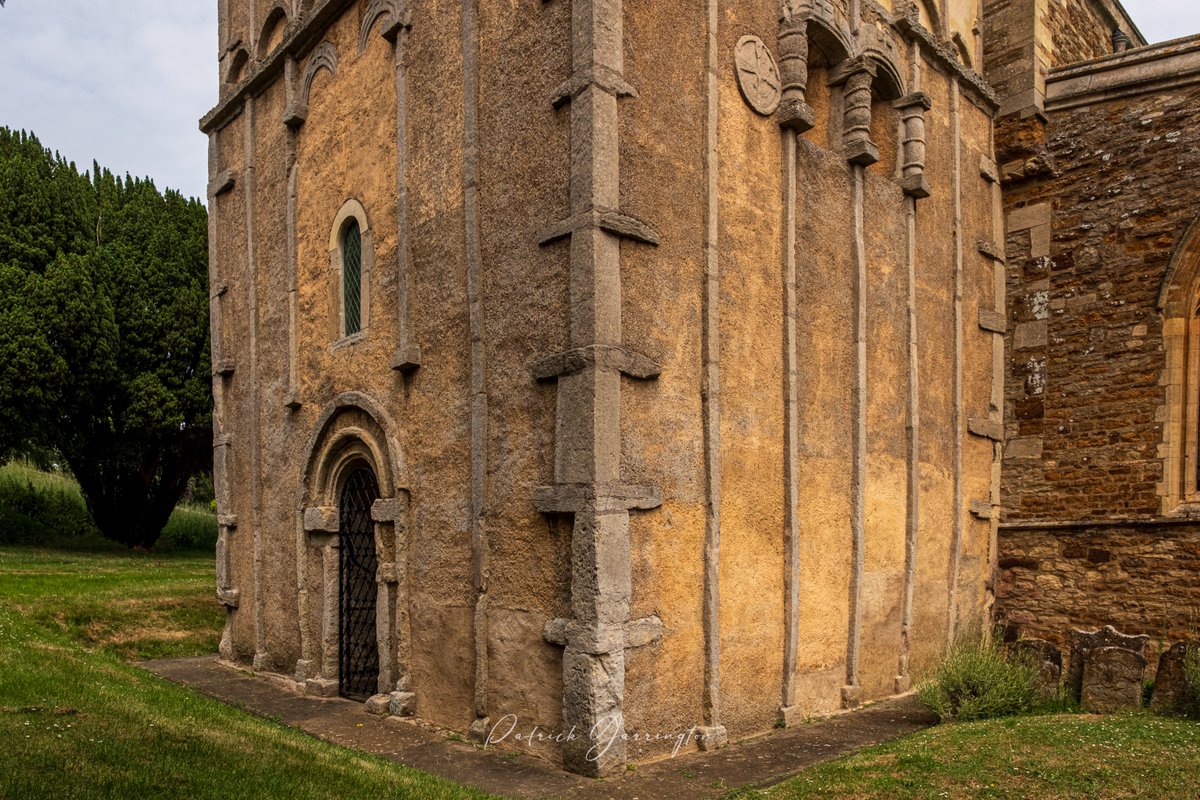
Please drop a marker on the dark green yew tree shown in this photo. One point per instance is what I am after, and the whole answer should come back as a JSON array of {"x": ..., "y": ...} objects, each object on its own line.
[{"x": 104, "y": 333}]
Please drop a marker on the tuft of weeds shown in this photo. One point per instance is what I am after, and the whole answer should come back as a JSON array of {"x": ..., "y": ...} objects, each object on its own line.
[{"x": 978, "y": 679}]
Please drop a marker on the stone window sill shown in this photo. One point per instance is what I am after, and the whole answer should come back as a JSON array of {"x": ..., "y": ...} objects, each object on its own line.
[{"x": 348, "y": 341}]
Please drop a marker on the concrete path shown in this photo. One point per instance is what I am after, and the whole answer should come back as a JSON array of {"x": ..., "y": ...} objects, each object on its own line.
[{"x": 759, "y": 762}]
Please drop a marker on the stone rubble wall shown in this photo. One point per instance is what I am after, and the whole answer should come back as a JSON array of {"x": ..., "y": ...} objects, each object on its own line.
[
  {"x": 1080, "y": 30},
  {"x": 1090, "y": 237},
  {"x": 1137, "y": 578}
]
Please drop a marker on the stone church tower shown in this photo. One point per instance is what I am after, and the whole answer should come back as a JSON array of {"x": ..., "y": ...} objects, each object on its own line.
[{"x": 623, "y": 366}]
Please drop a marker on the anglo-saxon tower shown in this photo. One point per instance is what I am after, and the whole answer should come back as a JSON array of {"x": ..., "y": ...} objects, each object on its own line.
[{"x": 618, "y": 365}]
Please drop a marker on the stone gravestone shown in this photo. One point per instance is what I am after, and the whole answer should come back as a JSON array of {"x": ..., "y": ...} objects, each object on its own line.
[
  {"x": 1171, "y": 690},
  {"x": 1047, "y": 658},
  {"x": 1083, "y": 641},
  {"x": 1112, "y": 680}
]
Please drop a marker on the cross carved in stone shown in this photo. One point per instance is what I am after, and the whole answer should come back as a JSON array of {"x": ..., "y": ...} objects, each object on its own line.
[{"x": 757, "y": 74}]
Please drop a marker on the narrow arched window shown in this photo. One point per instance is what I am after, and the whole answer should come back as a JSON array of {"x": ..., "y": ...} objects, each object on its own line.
[
  {"x": 1179, "y": 302},
  {"x": 352, "y": 278}
]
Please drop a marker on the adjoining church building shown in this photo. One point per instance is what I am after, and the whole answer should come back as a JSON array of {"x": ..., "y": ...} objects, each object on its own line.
[
  {"x": 619, "y": 366},
  {"x": 1100, "y": 161}
]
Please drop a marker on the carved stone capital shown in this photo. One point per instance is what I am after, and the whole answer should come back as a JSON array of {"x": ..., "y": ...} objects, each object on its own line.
[{"x": 321, "y": 519}]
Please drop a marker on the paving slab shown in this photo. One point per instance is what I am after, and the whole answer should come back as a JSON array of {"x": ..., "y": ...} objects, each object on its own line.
[{"x": 761, "y": 761}]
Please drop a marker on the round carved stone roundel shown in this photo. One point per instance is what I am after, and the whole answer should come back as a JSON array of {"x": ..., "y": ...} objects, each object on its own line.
[{"x": 757, "y": 75}]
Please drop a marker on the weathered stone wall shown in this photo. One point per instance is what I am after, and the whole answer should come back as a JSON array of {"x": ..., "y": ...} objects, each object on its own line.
[
  {"x": 1024, "y": 39},
  {"x": 1141, "y": 579},
  {"x": 666, "y": 295},
  {"x": 680, "y": 418},
  {"x": 1100, "y": 200},
  {"x": 1088, "y": 249},
  {"x": 1080, "y": 30}
]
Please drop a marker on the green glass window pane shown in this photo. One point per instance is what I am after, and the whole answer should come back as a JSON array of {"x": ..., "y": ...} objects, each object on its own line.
[{"x": 352, "y": 278}]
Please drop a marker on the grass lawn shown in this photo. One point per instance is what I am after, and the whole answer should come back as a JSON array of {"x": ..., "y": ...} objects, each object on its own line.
[
  {"x": 1049, "y": 756},
  {"x": 77, "y": 721}
]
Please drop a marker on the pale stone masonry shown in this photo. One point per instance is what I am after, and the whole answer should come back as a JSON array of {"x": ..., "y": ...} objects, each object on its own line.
[{"x": 663, "y": 342}]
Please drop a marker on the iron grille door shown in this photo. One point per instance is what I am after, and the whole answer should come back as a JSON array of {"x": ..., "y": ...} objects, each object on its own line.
[{"x": 358, "y": 662}]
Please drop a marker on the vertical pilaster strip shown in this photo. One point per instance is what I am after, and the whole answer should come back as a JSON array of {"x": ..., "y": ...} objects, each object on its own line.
[
  {"x": 794, "y": 116},
  {"x": 957, "y": 413},
  {"x": 408, "y": 355},
  {"x": 851, "y": 693},
  {"x": 912, "y": 511},
  {"x": 304, "y": 665},
  {"x": 226, "y": 521},
  {"x": 222, "y": 28},
  {"x": 252, "y": 413},
  {"x": 588, "y": 440},
  {"x": 915, "y": 162},
  {"x": 788, "y": 711},
  {"x": 216, "y": 289},
  {"x": 478, "y": 393},
  {"x": 998, "y": 371},
  {"x": 292, "y": 398},
  {"x": 713, "y": 731}
]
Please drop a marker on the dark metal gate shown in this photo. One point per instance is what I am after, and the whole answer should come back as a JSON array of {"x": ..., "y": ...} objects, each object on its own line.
[{"x": 358, "y": 656}]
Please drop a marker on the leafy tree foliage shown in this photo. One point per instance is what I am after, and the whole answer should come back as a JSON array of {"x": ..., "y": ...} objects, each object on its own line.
[{"x": 104, "y": 333}]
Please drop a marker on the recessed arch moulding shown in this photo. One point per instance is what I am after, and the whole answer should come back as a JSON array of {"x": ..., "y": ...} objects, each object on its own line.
[
  {"x": 354, "y": 431},
  {"x": 558, "y": 266}
]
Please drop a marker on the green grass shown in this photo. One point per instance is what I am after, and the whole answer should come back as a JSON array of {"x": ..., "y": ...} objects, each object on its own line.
[
  {"x": 77, "y": 721},
  {"x": 1047, "y": 757},
  {"x": 46, "y": 508}
]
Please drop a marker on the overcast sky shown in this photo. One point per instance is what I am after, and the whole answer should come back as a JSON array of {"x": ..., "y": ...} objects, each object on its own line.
[{"x": 125, "y": 81}]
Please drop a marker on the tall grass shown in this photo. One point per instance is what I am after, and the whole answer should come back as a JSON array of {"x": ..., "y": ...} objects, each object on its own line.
[
  {"x": 1191, "y": 673},
  {"x": 979, "y": 679},
  {"x": 46, "y": 508}
]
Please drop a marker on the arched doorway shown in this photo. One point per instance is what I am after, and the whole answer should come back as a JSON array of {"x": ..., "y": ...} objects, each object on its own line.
[
  {"x": 353, "y": 598},
  {"x": 358, "y": 645}
]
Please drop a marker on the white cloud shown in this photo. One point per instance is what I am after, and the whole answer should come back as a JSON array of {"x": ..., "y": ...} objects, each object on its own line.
[{"x": 122, "y": 82}]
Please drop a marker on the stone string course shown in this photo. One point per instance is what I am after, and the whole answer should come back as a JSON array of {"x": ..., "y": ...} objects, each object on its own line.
[{"x": 1099, "y": 193}]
